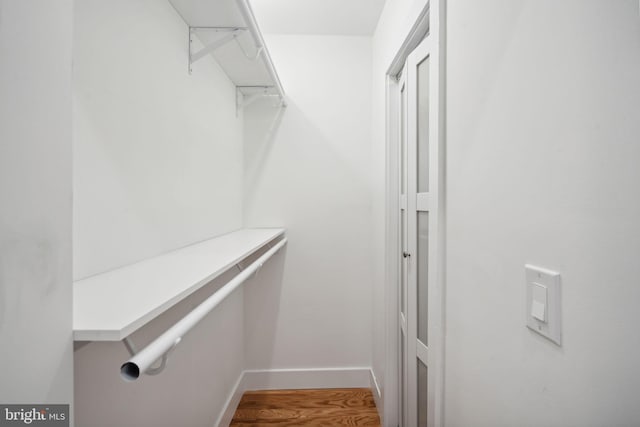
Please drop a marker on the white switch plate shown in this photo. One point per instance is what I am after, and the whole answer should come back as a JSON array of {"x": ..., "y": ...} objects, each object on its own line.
[{"x": 541, "y": 277}]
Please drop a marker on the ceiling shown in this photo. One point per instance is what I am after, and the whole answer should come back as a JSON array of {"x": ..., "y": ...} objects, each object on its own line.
[{"x": 337, "y": 17}]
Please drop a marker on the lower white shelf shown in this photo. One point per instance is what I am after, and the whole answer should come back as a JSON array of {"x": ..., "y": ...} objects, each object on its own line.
[{"x": 112, "y": 305}]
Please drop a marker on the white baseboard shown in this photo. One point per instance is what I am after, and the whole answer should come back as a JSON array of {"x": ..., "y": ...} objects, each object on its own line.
[
  {"x": 377, "y": 396},
  {"x": 282, "y": 379},
  {"x": 224, "y": 419},
  {"x": 277, "y": 379}
]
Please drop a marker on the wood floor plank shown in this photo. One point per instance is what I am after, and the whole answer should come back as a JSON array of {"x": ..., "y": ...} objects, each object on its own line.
[
  {"x": 318, "y": 407},
  {"x": 309, "y": 398}
]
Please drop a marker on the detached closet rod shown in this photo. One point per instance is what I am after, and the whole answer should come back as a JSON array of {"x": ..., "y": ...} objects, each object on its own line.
[
  {"x": 165, "y": 343},
  {"x": 247, "y": 15}
]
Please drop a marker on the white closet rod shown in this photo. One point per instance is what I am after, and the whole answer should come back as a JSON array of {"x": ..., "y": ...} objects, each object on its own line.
[
  {"x": 247, "y": 15},
  {"x": 142, "y": 361}
]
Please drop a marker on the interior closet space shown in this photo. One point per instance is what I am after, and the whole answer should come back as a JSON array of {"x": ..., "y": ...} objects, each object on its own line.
[{"x": 175, "y": 149}]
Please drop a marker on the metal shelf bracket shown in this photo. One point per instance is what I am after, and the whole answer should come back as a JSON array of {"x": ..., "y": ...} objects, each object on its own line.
[
  {"x": 250, "y": 57},
  {"x": 229, "y": 34},
  {"x": 244, "y": 101}
]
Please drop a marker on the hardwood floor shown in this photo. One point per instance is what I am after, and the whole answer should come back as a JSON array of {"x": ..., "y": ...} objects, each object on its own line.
[{"x": 326, "y": 407}]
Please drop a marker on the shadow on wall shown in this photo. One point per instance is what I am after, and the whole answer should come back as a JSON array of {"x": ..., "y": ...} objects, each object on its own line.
[
  {"x": 290, "y": 158},
  {"x": 268, "y": 125}
]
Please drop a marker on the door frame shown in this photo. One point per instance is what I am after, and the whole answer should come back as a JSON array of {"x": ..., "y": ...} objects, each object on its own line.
[{"x": 430, "y": 20}]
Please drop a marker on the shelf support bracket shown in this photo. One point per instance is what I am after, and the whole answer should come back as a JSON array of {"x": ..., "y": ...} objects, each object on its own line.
[
  {"x": 250, "y": 57},
  {"x": 229, "y": 35},
  {"x": 245, "y": 101}
]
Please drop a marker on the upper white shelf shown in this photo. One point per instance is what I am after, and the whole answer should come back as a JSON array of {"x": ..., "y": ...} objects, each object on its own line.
[
  {"x": 229, "y": 29},
  {"x": 112, "y": 305}
]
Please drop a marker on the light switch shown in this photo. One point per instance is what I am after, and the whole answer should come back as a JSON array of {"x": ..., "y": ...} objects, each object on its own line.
[
  {"x": 539, "y": 302},
  {"x": 543, "y": 302}
]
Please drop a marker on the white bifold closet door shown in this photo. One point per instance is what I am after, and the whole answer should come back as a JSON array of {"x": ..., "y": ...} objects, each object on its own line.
[{"x": 418, "y": 222}]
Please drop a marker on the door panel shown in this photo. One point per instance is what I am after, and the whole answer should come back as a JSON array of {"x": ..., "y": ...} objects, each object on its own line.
[
  {"x": 423, "y": 125},
  {"x": 417, "y": 229},
  {"x": 423, "y": 403},
  {"x": 422, "y": 257}
]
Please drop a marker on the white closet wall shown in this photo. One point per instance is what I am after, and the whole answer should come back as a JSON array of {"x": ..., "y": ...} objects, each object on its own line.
[
  {"x": 35, "y": 202},
  {"x": 542, "y": 147},
  {"x": 157, "y": 152},
  {"x": 307, "y": 167},
  {"x": 157, "y": 165}
]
